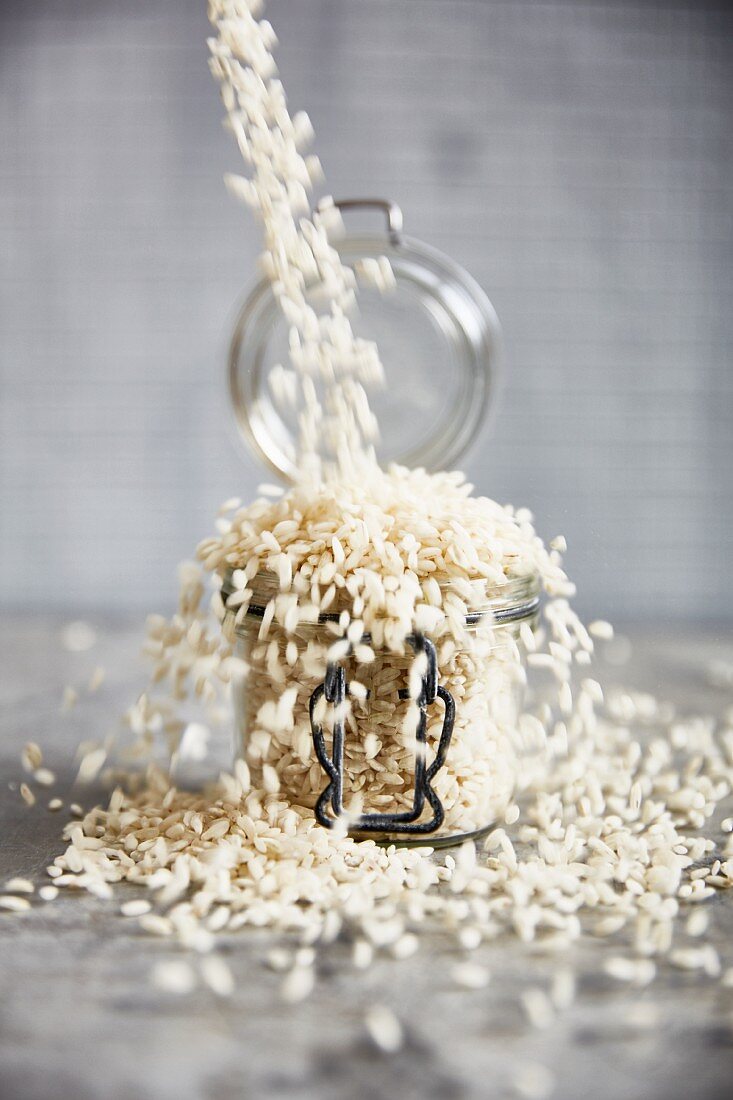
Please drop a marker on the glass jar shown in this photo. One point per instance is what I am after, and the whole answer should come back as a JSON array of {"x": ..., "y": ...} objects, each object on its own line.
[
  {"x": 416, "y": 747},
  {"x": 405, "y": 753}
]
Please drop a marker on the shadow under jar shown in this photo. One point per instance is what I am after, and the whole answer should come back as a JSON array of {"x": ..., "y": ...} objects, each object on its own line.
[{"x": 417, "y": 747}]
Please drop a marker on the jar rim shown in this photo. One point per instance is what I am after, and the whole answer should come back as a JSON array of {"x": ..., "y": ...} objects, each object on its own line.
[{"x": 515, "y": 600}]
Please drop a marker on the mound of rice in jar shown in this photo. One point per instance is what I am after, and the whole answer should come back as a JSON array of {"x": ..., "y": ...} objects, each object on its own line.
[{"x": 414, "y": 745}]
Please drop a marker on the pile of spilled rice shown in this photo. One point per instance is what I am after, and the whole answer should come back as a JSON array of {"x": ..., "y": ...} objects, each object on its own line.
[{"x": 585, "y": 816}]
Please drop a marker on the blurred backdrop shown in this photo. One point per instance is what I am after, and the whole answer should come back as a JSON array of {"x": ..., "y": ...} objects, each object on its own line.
[{"x": 574, "y": 156}]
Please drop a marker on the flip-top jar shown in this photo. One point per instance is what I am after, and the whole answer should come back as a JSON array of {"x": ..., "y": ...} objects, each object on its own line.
[{"x": 411, "y": 747}]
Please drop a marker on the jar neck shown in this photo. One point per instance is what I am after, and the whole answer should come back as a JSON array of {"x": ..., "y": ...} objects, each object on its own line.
[{"x": 514, "y": 601}]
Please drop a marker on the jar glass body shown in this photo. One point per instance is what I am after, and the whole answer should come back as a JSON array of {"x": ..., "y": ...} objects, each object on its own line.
[{"x": 481, "y": 674}]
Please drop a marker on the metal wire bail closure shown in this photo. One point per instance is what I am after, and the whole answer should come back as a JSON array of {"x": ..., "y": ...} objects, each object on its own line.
[{"x": 335, "y": 687}]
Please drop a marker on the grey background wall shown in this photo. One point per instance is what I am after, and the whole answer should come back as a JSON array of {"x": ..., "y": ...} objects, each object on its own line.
[{"x": 575, "y": 156}]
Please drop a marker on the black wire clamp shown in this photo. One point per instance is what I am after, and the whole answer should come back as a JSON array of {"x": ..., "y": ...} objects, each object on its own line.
[{"x": 335, "y": 687}]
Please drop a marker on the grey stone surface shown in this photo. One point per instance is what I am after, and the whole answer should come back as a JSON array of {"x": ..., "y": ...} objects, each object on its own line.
[
  {"x": 574, "y": 155},
  {"x": 79, "y": 1018}
]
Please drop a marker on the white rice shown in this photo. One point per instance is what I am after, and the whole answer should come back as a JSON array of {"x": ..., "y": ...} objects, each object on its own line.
[
  {"x": 605, "y": 834},
  {"x": 384, "y": 1029}
]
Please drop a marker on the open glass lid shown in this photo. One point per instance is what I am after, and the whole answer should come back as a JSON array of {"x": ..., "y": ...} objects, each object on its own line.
[{"x": 438, "y": 338}]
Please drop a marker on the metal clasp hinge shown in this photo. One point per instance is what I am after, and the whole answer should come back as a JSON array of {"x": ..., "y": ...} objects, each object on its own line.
[
  {"x": 335, "y": 687},
  {"x": 391, "y": 211}
]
